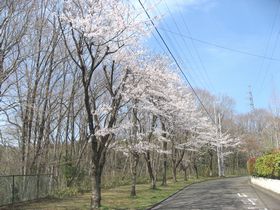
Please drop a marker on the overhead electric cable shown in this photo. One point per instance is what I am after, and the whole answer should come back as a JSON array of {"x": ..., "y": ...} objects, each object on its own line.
[
  {"x": 269, "y": 38},
  {"x": 177, "y": 47},
  {"x": 176, "y": 62},
  {"x": 266, "y": 50},
  {"x": 196, "y": 50},
  {"x": 268, "y": 66},
  {"x": 169, "y": 40},
  {"x": 200, "y": 76},
  {"x": 220, "y": 46}
]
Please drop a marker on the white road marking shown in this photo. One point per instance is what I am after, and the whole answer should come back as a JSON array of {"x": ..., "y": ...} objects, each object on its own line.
[
  {"x": 242, "y": 195},
  {"x": 252, "y": 202},
  {"x": 245, "y": 201}
]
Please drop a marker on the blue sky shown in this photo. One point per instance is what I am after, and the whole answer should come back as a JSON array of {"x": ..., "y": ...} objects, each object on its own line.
[{"x": 246, "y": 25}]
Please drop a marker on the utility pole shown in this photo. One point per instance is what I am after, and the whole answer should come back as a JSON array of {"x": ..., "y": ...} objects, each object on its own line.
[
  {"x": 251, "y": 99},
  {"x": 222, "y": 166},
  {"x": 219, "y": 143},
  {"x": 252, "y": 107}
]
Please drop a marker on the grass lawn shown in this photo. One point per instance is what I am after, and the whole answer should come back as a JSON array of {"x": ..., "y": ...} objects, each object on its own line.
[{"x": 115, "y": 198}]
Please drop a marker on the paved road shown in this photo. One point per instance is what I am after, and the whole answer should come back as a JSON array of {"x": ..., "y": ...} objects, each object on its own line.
[{"x": 223, "y": 194}]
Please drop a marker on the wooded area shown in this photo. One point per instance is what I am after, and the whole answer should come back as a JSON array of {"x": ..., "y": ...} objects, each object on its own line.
[{"x": 81, "y": 96}]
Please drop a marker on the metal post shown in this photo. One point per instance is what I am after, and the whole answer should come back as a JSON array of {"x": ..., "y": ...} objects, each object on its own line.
[
  {"x": 13, "y": 189},
  {"x": 37, "y": 187}
]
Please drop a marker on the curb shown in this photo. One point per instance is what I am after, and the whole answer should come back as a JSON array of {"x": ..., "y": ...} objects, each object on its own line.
[
  {"x": 156, "y": 204},
  {"x": 269, "y": 184},
  {"x": 266, "y": 191}
]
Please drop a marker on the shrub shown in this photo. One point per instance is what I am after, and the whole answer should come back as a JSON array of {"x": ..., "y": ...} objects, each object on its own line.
[
  {"x": 268, "y": 165},
  {"x": 73, "y": 174},
  {"x": 251, "y": 166}
]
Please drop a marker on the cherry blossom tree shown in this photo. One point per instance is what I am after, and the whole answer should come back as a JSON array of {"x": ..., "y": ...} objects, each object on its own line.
[
  {"x": 162, "y": 111},
  {"x": 215, "y": 139},
  {"x": 147, "y": 90},
  {"x": 95, "y": 33},
  {"x": 224, "y": 144}
]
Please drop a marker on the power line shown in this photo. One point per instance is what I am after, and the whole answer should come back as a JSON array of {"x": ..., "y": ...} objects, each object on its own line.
[
  {"x": 199, "y": 76},
  {"x": 170, "y": 41},
  {"x": 196, "y": 50},
  {"x": 221, "y": 46},
  {"x": 269, "y": 64},
  {"x": 159, "y": 44},
  {"x": 184, "y": 61},
  {"x": 269, "y": 38},
  {"x": 273, "y": 49},
  {"x": 175, "y": 60}
]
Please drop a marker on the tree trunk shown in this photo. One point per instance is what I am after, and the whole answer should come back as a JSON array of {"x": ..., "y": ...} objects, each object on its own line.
[
  {"x": 196, "y": 171},
  {"x": 195, "y": 167},
  {"x": 150, "y": 170},
  {"x": 185, "y": 174},
  {"x": 164, "y": 179},
  {"x": 174, "y": 172},
  {"x": 134, "y": 174},
  {"x": 164, "y": 171},
  {"x": 220, "y": 151},
  {"x": 98, "y": 160},
  {"x": 219, "y": 161},
  {"x": 153, "y": 183},
  {"x": 173, "y": 159},
  {"x": 233, "y": 162},
  {"x": 237, "y": 163},
  {"x": 222, "y": 163},
  {"x": 177, "y": 158},
  {"x": 96, "y": 189},
  {"x": 210, "y": 163}
]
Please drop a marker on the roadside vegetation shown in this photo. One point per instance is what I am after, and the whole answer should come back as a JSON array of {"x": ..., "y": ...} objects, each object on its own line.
[
  {"x": 267, "y": 165},
  {"x": 115, "y": 198}
]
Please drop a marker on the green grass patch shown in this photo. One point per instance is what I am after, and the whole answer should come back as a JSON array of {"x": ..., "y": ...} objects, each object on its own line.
[{"x": 115, "y": 198}]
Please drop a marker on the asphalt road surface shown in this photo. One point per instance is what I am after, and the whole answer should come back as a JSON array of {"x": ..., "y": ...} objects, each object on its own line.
[{"x": 223, "y": 194}]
